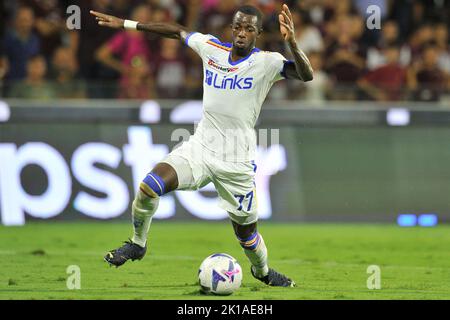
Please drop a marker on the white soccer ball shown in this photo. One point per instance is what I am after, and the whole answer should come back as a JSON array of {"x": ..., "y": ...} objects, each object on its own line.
[{"x": 220, "y": 274}]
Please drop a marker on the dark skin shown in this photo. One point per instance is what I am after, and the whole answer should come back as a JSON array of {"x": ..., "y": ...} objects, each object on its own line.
[{"x": 245, "y": 32}]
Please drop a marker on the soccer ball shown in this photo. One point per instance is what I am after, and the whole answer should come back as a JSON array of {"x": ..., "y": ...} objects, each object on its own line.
[{"x": 220, "y": 274}]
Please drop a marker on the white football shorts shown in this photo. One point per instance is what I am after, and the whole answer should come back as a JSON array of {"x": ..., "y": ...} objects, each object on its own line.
[{"x": 234, "y": 181}]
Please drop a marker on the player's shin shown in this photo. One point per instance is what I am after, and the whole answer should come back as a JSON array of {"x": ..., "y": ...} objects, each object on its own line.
[
  {"x": 143, "y": 209},
  {"x": 256, "y": 251},
  {"x": 145, "y": 205}
]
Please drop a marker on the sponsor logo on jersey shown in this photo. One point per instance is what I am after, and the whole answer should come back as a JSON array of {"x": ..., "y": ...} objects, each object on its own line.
[
  {"x": 232, "y": 83},
  {"x": 221, "y": 68}
]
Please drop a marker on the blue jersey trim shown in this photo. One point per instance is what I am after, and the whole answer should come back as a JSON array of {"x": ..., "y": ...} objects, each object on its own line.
[
  {"x": 186, "y": 41},
  {"x": 286, "y": 63},
  {"x": 243, "y": 59}
]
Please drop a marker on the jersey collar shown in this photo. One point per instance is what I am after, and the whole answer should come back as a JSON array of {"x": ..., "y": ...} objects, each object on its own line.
[{"x": 242, "y": 59}]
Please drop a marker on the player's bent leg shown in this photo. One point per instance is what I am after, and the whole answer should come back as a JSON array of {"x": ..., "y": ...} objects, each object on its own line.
[
  {"x": 255, "y": 249},
  {"x": 168, "y": 175},
  {"x": 161, "y": 180}
]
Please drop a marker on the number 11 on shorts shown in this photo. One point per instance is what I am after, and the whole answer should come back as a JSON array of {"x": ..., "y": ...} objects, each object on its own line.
[{"x": 241, "y": 200}]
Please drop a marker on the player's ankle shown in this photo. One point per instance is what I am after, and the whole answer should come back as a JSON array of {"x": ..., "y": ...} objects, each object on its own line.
[
  {"x": 260, "y": 272},
  {"x": 140, "y": 242}
]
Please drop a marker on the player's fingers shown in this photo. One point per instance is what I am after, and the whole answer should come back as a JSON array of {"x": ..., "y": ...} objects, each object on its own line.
[
  {"x": 95, "y": 13},
  {"x": 104, "y": 24},
  {"x": 282, "y": 20},
  {"x": 288, "y": 27},
  {"x": 285, "y": 25},
  {"x": 286, "y": 9},
  {"x": 99, "y": 15},
  {"x": 286, "y": 18}
]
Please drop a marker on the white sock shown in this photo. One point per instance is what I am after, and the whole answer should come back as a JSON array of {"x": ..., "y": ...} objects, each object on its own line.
[
  {"x": 143, "y": 209},
  {"x": 256, "y": 251}
]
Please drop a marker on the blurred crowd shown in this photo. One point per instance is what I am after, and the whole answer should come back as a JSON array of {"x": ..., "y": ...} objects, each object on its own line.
[{"x": 408, "y": 58}]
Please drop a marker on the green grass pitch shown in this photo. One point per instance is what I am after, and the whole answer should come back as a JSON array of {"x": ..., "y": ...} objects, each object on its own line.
[{"x": 327, "y": 261}]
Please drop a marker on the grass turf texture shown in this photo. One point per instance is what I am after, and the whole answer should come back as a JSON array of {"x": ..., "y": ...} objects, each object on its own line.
[{"x": 326, "y": 261}]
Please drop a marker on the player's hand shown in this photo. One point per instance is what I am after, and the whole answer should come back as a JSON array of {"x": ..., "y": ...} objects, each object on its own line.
[
  {"x": 286, "y": 24},
  {"x": 107, "y": 20}
]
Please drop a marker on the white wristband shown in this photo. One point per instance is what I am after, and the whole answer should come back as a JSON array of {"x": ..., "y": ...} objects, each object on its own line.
[{"x": 130, "y": 24}]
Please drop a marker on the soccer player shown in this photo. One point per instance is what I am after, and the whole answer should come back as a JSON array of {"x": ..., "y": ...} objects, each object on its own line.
[{"x": 237, "y": 78}]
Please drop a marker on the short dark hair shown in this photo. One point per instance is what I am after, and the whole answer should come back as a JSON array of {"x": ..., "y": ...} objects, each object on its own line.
[{"x": 253, "y": 11}]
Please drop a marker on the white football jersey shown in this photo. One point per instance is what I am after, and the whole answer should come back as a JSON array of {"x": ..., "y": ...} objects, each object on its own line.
[{"x": 233, "y": 93}]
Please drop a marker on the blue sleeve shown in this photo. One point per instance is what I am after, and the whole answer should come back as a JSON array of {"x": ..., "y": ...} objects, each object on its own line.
[
  {"x": 285, "y": 65},
  {"x": 186, "y": 41}
]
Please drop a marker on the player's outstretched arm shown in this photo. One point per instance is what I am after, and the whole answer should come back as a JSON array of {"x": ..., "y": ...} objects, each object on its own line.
[
  {"x": 301, "y": 69},
  {"x": 167, "y": 30}
]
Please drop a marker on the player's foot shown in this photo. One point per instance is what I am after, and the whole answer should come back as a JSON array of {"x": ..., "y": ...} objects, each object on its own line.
[
  {"x": 129, "y": 250},
  {"x": 275, "y": 279}
]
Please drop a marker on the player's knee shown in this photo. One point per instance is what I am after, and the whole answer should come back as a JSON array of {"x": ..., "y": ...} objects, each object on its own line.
[
  {"x": 150, "y": 189},
  {"x": 152, "y": 186}
]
